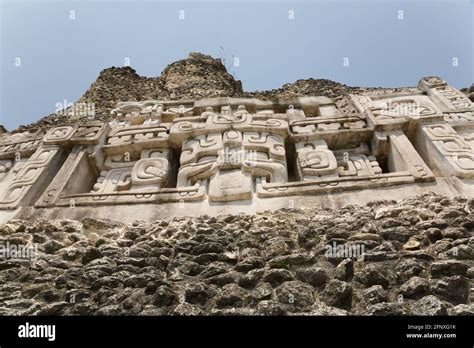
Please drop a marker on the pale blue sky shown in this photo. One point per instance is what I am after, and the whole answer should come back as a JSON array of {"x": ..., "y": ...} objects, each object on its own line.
[{"x": 61, "y": 57}]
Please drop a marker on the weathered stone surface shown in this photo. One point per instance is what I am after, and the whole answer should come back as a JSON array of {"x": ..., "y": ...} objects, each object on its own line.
[
  {"x": 338, "y": 294},
  {"x": 197, "y": 293},
  {"x": 295, "y": 293},
  {"x": 408, "y": 268},
  {"x": 171, "y": 275},
  {"x": 375, "y": 294},
  {"x": 372, "y": 274},
  {"x": 454, "y": 289},
  {"x": 415, "y": 287},
  {"x": 164, "y": 297},
  {"x": 90, "y": 254},
  {"x": 448, "y": 268},
  {"x": 462, "y": 309},
  {"x": 151, "y": 209},
  {"x": 231, "y": 295},
  {"x": 315, "y": 276},
  {"x": 344, "y": 270},
  {"x": 232, "y": 148},
  {"x": 429, "y": 305},
  {"x": 269, "y": 307},
  {"x": 386, "y": 308},
  {"x": 261, "y": 292},
  {"x": 277, "y": 276}
]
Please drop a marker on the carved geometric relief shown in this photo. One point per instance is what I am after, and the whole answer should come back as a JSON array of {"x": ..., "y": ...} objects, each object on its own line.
[
  {"x": 431, "y": 82},
  {"x": 136, "y": 138},
  {"x": 272, "y": 125},
  {"x": 230, "y": 149},
  {"x": 152, "y": 171},
  {"x": 399, "y": 112},
  {"x": 232, "y": 139},
  {"x": 315, "y": 160},
  {"x": 357, "y": 165},
  {"x": 452, "y": 98},
  {"x": 226, "y": 116},
  {"x": 192, "y": 173},
  {"x": 118, "y": 161},
  {"x": 22, "y": 144},
  {"x": 5, "y": 166},
  {"x": 59, "y": 135},
  {"x": 165, "y": 111},
  {"x": 267, "y": 156},
  {"x": 27, "y": 174},
  {"x": 345, "y": 107},
  {"x": 458, "y": 152},
  {"x": 361, "y": 102},
  {"x": 271, "y": 144},
  {"x": 202, "y": 146},
  {"x": 90, "y": 133},
  {"x": 230, "y": 185},
  {"x": 149, "y": 108},
  {"x": 114, "y": 180},
  {"x": 468, "y": 135},
  {"x": 453, "y": 117},
  {"x": 407, "y": 107},
  {"x": 122, "y": 173},
  {"x": 230, "y": 158},
  {"x": 326, "y": 125},
  {"x": 328, "y": 185}
]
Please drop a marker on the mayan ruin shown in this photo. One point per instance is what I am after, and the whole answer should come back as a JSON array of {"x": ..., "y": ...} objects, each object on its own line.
[
  {"x": 190, "y": 157},
  {"x": 244, "y": 172},
  {"x": 168, "y": 187},
  {"x": 174, "y": 158}
]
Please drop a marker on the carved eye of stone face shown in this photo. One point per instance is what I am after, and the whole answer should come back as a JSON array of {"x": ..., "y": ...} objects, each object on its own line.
[
  {"x": 232, "y": 135},
  {"x": 154, "y": 171},
  {"x": 150, "y": 171},
  {"x": 313, "y": 158}
]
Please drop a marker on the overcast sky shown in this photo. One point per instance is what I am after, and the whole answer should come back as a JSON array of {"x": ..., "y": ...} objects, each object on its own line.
[{"x": 386, "y": 43}]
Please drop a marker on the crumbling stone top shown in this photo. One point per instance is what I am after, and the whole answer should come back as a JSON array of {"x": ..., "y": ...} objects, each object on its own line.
[{"x": 198, "y": 76}]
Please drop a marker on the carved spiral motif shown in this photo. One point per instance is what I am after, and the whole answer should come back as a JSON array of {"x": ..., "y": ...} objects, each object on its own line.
[
  {"x": 150, "y": 171},
  {"x": 59, "y": 133}
]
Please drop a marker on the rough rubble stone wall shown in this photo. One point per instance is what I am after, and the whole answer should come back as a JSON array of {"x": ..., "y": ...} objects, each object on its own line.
[
  {"x": 469, "y": 92},
  {"x": 418, "y": 259}
]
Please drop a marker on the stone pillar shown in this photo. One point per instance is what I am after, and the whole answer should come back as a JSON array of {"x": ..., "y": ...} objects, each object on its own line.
[
  {"x": 32, "y": 177},
  {"x": 76, "y": 175},
  {"x": 402, "y": 156}
]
